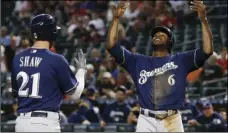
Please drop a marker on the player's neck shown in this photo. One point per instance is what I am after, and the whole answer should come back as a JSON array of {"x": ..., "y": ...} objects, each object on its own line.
[
  {"x": 41, "y": 45},
  {"x": 160, "y": 53}
]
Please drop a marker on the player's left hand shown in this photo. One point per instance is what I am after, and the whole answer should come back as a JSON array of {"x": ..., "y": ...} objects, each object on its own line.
[
  {"x": 197, "y": 5},
  {"x": 80, "y": 60}
]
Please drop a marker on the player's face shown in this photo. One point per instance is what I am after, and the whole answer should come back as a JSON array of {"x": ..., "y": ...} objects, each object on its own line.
[
  {"x": 120, "y": 96},
  {"x": 160, "y": 38},
  {"x": 208, "y": 112}
]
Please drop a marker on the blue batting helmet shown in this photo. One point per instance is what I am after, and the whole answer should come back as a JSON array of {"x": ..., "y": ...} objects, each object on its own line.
[{"x": 44, "y": 28}]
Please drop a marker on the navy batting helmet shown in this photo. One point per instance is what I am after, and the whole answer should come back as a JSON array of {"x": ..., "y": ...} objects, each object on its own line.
[
  {"x": 44, "y": 28},
  {"x": 167, "y": 31}
]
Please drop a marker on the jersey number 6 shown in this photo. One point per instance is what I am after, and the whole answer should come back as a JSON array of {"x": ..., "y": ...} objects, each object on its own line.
[
  {"x": 23, "y": 92},
  {"x": 171, "y": 80}
]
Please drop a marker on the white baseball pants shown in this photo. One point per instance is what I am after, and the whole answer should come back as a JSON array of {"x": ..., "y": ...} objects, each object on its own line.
[
  {"x": 170, "y": 124},
  {"x": 26, "y": 123}
]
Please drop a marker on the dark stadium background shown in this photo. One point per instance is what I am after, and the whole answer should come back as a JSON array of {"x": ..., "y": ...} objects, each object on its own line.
[{"x": 85, "y": 25}]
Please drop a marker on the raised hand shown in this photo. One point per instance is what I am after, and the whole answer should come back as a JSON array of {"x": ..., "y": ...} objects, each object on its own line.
[
  {"x": 118, "y": 11},
  {"x": 199, "y": 7},
  {"x": 80, "y": 60}
]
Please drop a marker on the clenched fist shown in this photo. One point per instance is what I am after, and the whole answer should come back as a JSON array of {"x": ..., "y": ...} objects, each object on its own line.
[{"x": 118, "y": 10}]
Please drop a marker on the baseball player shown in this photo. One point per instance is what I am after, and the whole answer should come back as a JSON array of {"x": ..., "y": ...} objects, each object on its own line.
[
  {"x": 42, "y": 78},
  {"x": 88, "y": 111},
  {"x": 118, "y": 111},
  {"x": 161, "y": 78},
  {"x": 211, "y": 120}
]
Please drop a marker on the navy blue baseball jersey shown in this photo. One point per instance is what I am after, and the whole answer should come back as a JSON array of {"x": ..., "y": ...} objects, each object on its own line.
[
  {"x": 116, "y": 112},
  {"x": 215, "y": 121},
  {"x": 160, "y": 81},
  {"x": 215, "y": 118},
  {"x": 41, "y": 78},
  {"x": 90, "y": 113},
  {"x": 79, "y": 115}
]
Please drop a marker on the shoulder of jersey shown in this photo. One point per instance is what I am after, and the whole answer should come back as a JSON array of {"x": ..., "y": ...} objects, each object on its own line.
[
  {"x": 22, "y": 52},
  {"x": 176, "y": 54},
  {"x": 141, "y": 55},
  {"x": 149, "y": 57},
  {"x": 146, "y": 57},
  {"x": 18, "y": 55},
  {"x": 57, "y": 56}
]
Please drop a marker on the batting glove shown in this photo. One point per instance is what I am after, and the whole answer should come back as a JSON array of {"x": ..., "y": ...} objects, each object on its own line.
[{"x": 80, "y": 60}]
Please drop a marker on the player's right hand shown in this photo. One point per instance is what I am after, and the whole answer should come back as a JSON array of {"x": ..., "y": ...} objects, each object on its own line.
[
  {"x": 118, "y": 11},
  {"x": 198, "y": 6},
  {"x": 80, "y": 60}
]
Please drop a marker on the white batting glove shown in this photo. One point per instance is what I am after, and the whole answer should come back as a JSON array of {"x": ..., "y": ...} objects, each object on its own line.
[{"x": 80, "y": 60}]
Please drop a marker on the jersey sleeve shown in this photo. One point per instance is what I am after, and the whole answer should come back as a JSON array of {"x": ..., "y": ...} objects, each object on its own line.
[
  {"x": 65, "y": 76},
  {"x": 193, "y": 59},
  {"x": 123, "y": 57}
]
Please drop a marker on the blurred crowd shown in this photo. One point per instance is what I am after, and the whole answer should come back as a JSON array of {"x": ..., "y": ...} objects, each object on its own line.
[{"x": 110, "y": 94}]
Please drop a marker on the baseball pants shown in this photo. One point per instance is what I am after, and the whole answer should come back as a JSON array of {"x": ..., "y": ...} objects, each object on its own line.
[
  {"x": 26, "y": 122},
  {"x": 170, "y": 124}
]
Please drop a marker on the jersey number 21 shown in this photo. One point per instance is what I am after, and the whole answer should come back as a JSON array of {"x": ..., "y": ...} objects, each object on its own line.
[{"x": 23, "y": 91}]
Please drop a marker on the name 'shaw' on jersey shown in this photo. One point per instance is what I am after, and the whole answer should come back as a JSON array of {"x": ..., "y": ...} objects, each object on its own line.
[{"x": 27, "y": 61}]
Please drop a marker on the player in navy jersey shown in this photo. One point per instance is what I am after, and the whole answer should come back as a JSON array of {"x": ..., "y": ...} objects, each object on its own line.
[
  {"x": 42, "y": 78},
  {"x": 209, "y": 119},
  {"x": 118, "y": 111},
  {"x": 161, "y": 78}
]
